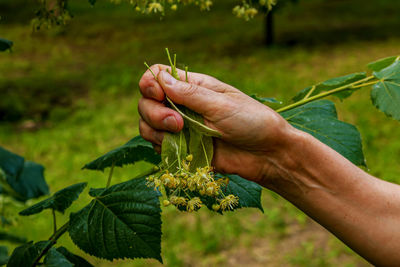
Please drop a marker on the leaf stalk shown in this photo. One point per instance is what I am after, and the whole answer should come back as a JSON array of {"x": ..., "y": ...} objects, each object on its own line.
[{"x": 360, "y": 83}]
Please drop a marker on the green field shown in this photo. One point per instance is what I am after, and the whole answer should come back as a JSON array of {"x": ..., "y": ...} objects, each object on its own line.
[{"x": 70, "y": 95}]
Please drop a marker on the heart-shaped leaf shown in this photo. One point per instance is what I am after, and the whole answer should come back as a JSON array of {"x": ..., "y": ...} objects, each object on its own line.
[
  {"x": 122, "y": 221},
  {"x": 385, "y": 94},
  {"x": 60, "y": 201},
  {"x": 26, "y": 178},
  {"x": 30, "y": 183},
  {"x": 27, "y": 254},
  {"x": 137, "y": 149},
  {"x": 319, "y": 119}
]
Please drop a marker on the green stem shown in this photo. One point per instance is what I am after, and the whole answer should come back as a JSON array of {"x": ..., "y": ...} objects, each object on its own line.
[
  {"x": 178, "y": 153},
  {"x": 357, "y": 84},
  {"x": 310, "y": 92},
  {"x": 110, "y": 175},
  {"x": 148, "y": 67},
  {"x": 54, "y": 221},
  {"x": 53, "y": 238},
  {"x": 364, "y": 84},
  {"x": 205, "y": 153}
]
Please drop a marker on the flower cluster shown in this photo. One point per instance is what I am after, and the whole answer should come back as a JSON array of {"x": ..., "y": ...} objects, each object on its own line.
[
  {"x": 190, "y": 190},
  {"x": 53, "y": 13},
  {"x": 245, "y": 10}
]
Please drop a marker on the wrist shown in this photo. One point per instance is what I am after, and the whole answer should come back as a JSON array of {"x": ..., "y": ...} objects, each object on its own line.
[{"x": 284, "y": 165}]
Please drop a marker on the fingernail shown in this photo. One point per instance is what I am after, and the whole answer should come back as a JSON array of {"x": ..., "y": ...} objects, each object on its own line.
[
  {"x": 170, "y": 123},
  {"x": 167, "y": 78}
]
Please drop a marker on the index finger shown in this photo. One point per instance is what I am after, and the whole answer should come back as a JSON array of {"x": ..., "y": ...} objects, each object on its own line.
[{"x": 150, "y": 88}]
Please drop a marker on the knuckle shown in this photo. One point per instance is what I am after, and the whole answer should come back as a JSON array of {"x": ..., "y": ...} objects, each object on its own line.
[
  {"x": 189, "y": 89},
  {"x": 154, "y": 117},
  {"x": 140, "y": 106}
]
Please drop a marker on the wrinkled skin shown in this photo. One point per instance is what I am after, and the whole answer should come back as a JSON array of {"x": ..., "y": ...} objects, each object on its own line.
[{"x": 252, "y": 133}]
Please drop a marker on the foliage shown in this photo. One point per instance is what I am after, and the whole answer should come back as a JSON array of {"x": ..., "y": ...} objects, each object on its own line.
[
  {"x": 342, "y": 137},
  {"x": 123, "y": 220},
  {"x": 23, "y": 179},
  {"x": 136, "y": 149},
  {"x": 5, "y": 44},
  {"x": 60, "y": 201}
]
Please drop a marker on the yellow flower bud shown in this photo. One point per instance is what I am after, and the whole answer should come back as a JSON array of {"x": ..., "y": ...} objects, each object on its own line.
[
  {"x": 216, "y": 207},
  {"x": 189, "y": 157}
]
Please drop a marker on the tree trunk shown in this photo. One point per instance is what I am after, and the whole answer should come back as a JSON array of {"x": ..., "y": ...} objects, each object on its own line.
[{"x": 269, "y": 29}]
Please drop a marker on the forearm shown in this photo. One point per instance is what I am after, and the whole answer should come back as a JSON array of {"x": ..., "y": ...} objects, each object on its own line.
[{"x": 361, "y": 210}]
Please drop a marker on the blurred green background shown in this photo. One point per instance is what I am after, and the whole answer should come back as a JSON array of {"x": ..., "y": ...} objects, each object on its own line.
[{"x": 69, "y": 95}]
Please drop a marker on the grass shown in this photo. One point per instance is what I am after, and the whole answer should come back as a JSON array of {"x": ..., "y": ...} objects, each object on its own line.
[{"x": 73, "y": 93}]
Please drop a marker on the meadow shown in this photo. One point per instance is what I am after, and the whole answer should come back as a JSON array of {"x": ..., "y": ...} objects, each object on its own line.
[{"x": 70, "y": 94}]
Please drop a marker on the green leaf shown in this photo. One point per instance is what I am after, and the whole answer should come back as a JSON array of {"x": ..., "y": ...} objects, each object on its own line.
[
  {"x": 319, "y": 119},
  {"x": 25, "y": 177},
  {"x": 122, "y": 221},
  {"x": 382, "y": 63},
  {"x": 202, "y": 149},
  {"x": 5, "y": 44},
  {"x": 60, "y": 201},
  {"x": 3, "y": 255},
  {"x": 74, "y": 259},
  {"x": 265, "y": 99},
  {"x": 200, "y": 145},
  {"x": 332, "y": 84},
  {"x": 92, "y": 2},
  {"x": 4, "y": 236},
  {"x": 173, "y": 150},
  {"x": 137, "y": 149},
  {"x": 12, "y": 164},
  {"x": 249, "y": 193},
  {"x": 385, "y": 94},
  {"x": 30, "y": 183},
  {"x": 5, "y": 187},
  {"x": 56, "y": 259},
  {"x": 26, "y": 254}
]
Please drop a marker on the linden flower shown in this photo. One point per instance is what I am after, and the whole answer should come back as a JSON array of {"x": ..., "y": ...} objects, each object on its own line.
[
  {"x": 194, "y": 204},
  {"x": 178, "y": 201},
  {"x": 229, "y": 202},
  {"x": 166, "y": 203},
  {"x": 251, "y": 12},
  {"x": 156, "y": 7},
  {"x": 212, "y": 189},
  {"x": 216, "y": 207}
]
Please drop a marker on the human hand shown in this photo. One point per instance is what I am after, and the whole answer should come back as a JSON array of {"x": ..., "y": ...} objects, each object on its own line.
[{"x": 254, "y": 137}]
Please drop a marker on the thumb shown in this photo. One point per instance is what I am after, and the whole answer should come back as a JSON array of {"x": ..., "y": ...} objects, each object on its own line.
[{"x": 195, "y": 97}]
